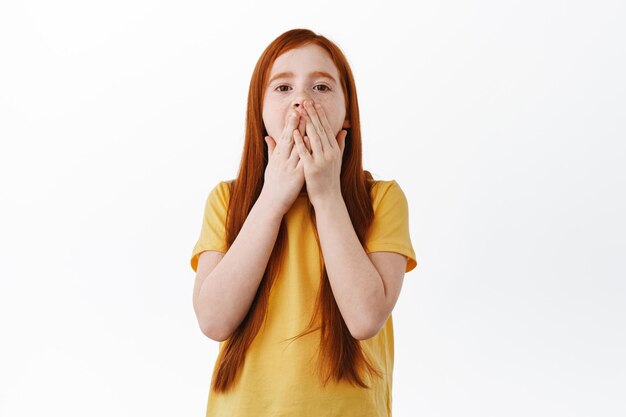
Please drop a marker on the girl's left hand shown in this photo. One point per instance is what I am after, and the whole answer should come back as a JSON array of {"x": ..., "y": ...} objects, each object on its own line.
[{"x": 322, "y": 166}]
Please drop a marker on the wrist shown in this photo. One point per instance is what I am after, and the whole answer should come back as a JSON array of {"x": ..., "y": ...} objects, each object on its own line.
[
  {"x": 268, "y": 209},
  {"x": 328, "y": 201}
]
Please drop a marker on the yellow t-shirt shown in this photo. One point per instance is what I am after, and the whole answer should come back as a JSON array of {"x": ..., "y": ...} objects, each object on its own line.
[{"x": 278, "y": 378}]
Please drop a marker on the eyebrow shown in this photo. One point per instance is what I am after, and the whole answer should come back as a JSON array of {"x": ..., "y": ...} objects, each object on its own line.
[{"x": 314, "y": 74}]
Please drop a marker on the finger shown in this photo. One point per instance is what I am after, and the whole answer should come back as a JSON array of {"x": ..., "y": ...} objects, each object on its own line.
[
  {"x": 292, "y": 122},
  {"x": 294, "y": 156},
  {"x": 314, "y": 140},
  {"x": 285, "y": 144},
  {"x": 302, "y": 125},
  {"x": 325, "y": 124},
  {"x": 317, "y": 124},
  {"x": 302, "y": 128},
  {"x": 302, "y": 151}
]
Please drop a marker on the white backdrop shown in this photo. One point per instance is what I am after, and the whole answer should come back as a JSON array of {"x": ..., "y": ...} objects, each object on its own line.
[{"x": 503, "y": 122}]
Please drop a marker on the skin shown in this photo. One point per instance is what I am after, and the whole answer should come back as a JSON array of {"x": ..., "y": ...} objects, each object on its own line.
[
  {"x": 310, "y": 147},
  {"x": 366, "y": 285},
  {"x": 285, "y": 96}
]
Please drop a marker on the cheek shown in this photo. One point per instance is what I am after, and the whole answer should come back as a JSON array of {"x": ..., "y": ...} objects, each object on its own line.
[
  {"x": 274, "y": 121},
  {"x": 335, "y": 113}
]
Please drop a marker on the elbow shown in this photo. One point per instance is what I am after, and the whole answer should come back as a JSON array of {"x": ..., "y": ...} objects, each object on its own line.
[
  {"x": 214, "y": 330},
  {"x": 214, "y": 333},
  {"x": 210, "y": 326},
  {"x": 366, "y": 334},
  {"x": 361, "y": 335},
  {"x": 366, "y": 330}
]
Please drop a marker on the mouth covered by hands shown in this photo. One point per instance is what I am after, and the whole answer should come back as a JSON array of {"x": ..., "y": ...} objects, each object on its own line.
[{"x": 320, "y": 153}]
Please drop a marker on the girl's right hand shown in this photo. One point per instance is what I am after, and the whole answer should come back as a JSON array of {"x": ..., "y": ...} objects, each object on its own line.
[{"x": 284, "y": 173}]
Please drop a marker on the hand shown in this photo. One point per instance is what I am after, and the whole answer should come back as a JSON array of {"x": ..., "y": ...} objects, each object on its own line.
[
  {"x": 284, "y": 175},
  {"x": 322, "y": 165}
]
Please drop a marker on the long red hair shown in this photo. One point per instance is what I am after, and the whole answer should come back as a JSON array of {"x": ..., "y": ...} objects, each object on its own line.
[{"x": 340, "y": 355}]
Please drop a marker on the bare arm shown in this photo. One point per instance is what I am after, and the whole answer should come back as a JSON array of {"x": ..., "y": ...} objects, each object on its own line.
[
  {"x": 358, "y": 287},
  {"x": 223, "y": 295}
]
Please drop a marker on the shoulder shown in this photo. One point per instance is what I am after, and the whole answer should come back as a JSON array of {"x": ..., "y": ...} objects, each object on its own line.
[
  {"x": 225, "y": 185},
  {"x": 218, "y": 197},
  {"x": 221, "y": 190},
  {"x": 388, "y": 190}
]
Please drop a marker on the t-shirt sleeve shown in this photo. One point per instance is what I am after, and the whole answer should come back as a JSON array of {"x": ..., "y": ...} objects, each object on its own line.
[
  {"x": 213, "y": 231},
  {"x": 389, "y": 231}
]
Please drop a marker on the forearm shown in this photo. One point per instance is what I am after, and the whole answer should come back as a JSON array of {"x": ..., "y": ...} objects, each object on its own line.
[
  {"x": 227, "y": 293},
  {"x": 356, "y": 284}
]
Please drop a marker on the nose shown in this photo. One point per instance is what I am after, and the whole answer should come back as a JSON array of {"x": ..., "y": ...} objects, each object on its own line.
[{"x": 298, "y": 100}]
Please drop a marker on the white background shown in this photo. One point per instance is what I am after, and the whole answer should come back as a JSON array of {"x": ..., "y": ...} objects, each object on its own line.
[{"x": 503, "y": 122}]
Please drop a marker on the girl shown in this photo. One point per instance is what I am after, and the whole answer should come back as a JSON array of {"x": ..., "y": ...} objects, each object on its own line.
[{"x": 301, "y": 258}]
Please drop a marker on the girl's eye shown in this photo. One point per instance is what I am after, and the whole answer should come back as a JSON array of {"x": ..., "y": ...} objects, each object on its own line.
[{"x": 279, "y": 88}]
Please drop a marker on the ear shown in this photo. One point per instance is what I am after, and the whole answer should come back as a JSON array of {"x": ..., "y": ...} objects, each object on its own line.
[
  {"x": 341, "y": 140},
  {"x": 271, "y": 144},
  {"x": 346, "y": 123}
]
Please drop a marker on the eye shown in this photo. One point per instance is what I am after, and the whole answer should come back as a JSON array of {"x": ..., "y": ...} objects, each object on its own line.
[
  {"x": 327, "y": 88},
  {"x": 280, "y": 87}
]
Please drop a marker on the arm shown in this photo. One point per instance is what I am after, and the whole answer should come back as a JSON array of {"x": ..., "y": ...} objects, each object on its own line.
[
  {"x": 365, "y": 297},
  {"x": 224, "y": 295}
]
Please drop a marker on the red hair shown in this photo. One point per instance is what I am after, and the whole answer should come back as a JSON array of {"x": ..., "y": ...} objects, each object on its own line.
[{"x": 340, "y": 354}]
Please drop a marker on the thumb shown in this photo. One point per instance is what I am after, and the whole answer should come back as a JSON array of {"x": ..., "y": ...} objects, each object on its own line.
[{"x": 271, "y": 144}]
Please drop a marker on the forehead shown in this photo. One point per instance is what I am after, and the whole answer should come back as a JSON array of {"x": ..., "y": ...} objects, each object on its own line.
[{"x": 303, "y": 60}]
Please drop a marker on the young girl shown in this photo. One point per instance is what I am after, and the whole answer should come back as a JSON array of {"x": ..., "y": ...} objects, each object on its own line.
[{"x": 301, "y": 258}]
